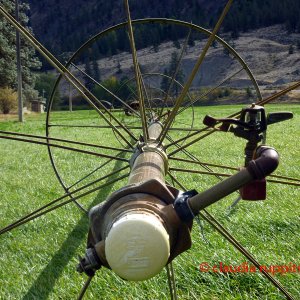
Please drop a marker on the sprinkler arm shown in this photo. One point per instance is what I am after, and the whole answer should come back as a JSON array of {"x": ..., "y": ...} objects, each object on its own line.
[{"x": 266, "y": 162}]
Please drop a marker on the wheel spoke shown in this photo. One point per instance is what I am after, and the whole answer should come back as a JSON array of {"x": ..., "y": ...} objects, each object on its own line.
[
  {"x": 63, "y": 147},
  {"x": 195, "y": 159},
  {"x": 42, "y": 211},
  {"x": 106, "y": 89},
  {"x": 260, "y": 102},
  {"x": 210, "y": 91},
  {"x": 227, "y": 175},
  {"x": 94, "y": 171},
  {"x": 144, "y": 90},
  {"x": 137, "y": 73},
  {"x": 188, "y": 84},
  {"x": 200, "y": 172},
  {"x": 171, "y": 281},
  {"x": 178, "y": 64},
  {"x": 87, "y": 95},
  {"x": 85, "y": 287},
  {"x": 129, "y": 127},
  {"x": 192, "y": 142},
  {"x": 64, "y": 141},
  {"x": 203, "y": 163},
  {"x": 279, "y": 94},
  {"x": 284, "y": 182},
  {"x": 217, "y": 226}
]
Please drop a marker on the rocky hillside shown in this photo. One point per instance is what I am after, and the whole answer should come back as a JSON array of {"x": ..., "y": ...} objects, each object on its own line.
[
  {"x": 271, "y": 52},
  {"x": 63, "y": 25},
  {"x": 272, "y": 55}
]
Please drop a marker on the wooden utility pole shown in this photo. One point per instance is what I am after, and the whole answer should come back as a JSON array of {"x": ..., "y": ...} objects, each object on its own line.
[
  {"x": 70, "y": 99},
  {"x": 19, "y": 68}
]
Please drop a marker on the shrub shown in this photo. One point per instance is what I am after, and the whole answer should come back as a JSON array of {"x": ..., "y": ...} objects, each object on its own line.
[{"x": 8, "y": 99}]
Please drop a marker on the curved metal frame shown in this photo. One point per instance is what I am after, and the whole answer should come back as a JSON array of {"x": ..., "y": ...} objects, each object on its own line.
[{"x": 134, "y": 22}]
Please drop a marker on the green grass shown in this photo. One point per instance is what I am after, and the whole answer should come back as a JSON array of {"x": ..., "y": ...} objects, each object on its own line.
[{"x": 38, "y": 260}]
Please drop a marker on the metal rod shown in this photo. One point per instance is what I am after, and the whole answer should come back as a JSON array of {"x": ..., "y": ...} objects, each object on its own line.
[
  {"x": 284, "y": 182},
  {"x": 228, "y": 175},
  {"x": 203, "y": 163},
  {"x": 210, "y": 91},
  {"x": 145, "y": 90},
  {"x": 233, "y": 168},
  {"x": 260, "y": 102},
  {"x": 195, "y": 159},
  {"x": 85, "y": 287},
  {"x": 67, "y": 194},
  {"x": 217, "y": 226},
  {"x": 284, "y": 177},
  {"x": 36, "y": 215},
  {"x": 129, "y": 127},
  {"x": 106, "y": 89},
  {"x": 94, "y": 171},
  {"x": 65, "y": 141},
  {"x": 200, "y": 172},
  {"x": 87, "y": 95},
  {"x": 220, "y": 190},
  {"x": 192, "y": 142},
  {"x": 63, "y": 147},
  {"x": 137, "y": 72},
  {"x": 175, "y": 72},
  {"x": 194, "y": 72},
  {"x": 171, "y": 281},
  {"x": 70, "y": 98},
  {"x": 279, "y": 94}
]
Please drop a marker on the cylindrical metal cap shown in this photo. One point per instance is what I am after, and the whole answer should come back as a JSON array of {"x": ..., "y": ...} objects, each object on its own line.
[{"x": 137, "y": 246}]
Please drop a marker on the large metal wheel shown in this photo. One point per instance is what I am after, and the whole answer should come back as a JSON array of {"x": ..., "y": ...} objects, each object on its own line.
[
  {"x": 222, "y": 88},
  {"x": 115, "y": 127}
]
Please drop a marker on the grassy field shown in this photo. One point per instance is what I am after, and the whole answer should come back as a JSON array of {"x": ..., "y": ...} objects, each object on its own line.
[{"x": 38, "y": 260}]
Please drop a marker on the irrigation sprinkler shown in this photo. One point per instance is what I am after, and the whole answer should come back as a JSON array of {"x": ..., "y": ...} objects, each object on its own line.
[
  {"x": 251, "y": 126},
  {"x": 146, "y": 224},
  {"x": 143, "y": 226}
]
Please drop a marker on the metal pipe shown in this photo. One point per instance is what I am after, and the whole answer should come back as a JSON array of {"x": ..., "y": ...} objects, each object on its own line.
[
  {"x": 152, "y": 161},
  {"x": 259, "y": 168}
]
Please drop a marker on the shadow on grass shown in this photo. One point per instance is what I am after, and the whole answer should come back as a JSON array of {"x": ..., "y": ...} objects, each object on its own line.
[{"x": 44, "y": 284}]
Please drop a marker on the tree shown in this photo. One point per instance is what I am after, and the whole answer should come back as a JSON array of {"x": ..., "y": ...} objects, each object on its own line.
[
  {"x": 170, "y": 72},
  {"x": 29, "y": 60},
  {"x": 44, "y": 85},
  {"x": 8, "y": 99},
  {"x": 176, "y": 44},
  {"x": 95, "y": 70},
  {"x": 291, "y": 49}
]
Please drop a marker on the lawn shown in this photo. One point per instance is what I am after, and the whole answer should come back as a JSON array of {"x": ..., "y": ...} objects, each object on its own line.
[{"x": 38, "y": 260}]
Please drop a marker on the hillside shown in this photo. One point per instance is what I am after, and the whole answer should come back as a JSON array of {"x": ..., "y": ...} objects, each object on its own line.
[
  {"x": 266, "y": 51},
  {"x": 63, "y": 25}
]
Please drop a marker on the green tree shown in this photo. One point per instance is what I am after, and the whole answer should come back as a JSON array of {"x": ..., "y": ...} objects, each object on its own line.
[
  {"x": 95, "y": 70},
  {"x": 29, "y": 60},
  {"x": 8, "y": 99},
  {"x": 170, "y": 72},
  {"x": 44, "y": 85}
]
